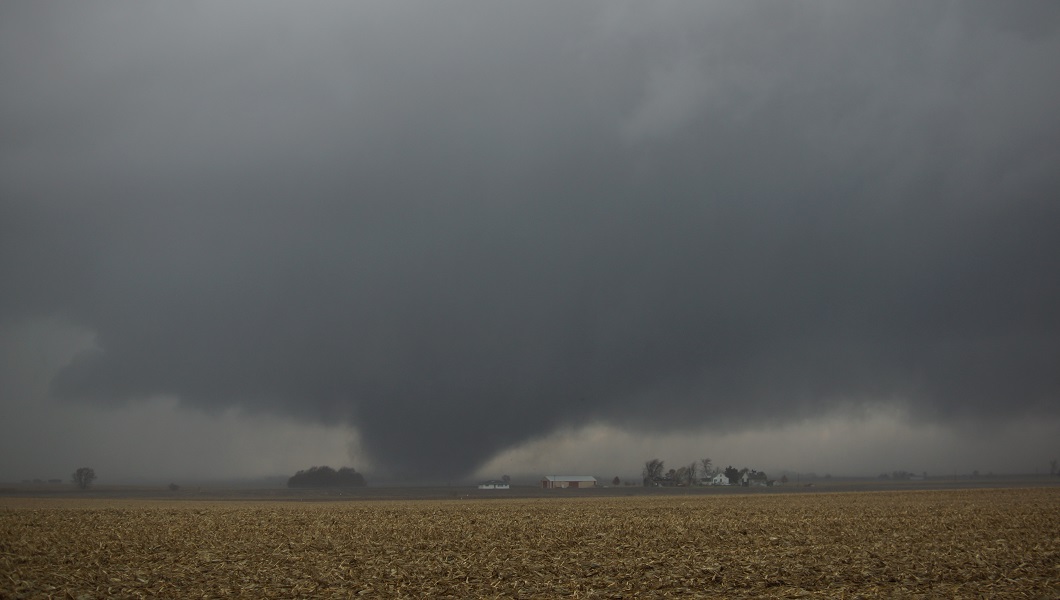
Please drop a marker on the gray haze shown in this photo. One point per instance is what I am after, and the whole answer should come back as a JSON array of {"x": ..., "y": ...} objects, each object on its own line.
[{"x": 459, "y": 227}]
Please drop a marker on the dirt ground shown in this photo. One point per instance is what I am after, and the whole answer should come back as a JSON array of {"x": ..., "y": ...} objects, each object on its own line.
[{"x": 954, "y": 543}]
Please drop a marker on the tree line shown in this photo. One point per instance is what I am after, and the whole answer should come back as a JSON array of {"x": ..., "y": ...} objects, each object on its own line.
[
  {"x": 326, "y": 477},
  {"x": 697, "y": 472}
]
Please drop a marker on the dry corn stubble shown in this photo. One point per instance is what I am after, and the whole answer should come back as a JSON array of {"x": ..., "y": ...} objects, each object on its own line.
[{"x": 971, "y": 543}]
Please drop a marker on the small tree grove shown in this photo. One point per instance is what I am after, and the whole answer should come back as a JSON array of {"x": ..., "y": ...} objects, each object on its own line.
[
  {"x": 84, "y": 477},
  {"x": 326, "y": 477}
]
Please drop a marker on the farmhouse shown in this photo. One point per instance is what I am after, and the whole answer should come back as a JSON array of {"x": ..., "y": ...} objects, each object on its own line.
[
  {"x": 719, "y": 479},
  {"x": 568, "y": 481},
  {"x": 754, "y": 477},
  {"x": 494, "y": 484}
]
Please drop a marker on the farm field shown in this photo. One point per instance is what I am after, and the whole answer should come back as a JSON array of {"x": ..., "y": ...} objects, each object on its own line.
[{"x": 997, "y": 543}]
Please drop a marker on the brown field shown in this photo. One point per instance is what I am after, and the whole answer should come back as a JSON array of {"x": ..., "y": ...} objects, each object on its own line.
[{"x": 999, "y": 543}]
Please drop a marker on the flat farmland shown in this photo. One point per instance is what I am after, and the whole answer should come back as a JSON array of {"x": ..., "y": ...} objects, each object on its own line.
[{"x": 996, "y": 543}]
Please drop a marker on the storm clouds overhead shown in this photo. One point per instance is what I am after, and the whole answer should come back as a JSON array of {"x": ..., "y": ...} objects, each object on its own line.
[{"x": 456, "y": 228}]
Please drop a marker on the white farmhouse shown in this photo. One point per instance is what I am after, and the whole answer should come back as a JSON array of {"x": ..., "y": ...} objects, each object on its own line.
[{"x": 719, "y": 479}]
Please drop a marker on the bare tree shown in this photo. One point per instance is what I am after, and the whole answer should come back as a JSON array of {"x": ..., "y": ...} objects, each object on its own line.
[
  {"x": 84, "y": 477},
  {"x": 653, "y": 469},
  {"x": 707, "y": 466},
  {"x": 690, "y": 473}
]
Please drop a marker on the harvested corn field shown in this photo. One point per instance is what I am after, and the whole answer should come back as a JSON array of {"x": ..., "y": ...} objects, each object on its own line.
[{"x": 968, "y": 543}]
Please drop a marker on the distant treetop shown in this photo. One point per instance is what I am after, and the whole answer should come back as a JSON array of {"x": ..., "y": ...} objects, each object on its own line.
[{"x": 326, "y": 477}]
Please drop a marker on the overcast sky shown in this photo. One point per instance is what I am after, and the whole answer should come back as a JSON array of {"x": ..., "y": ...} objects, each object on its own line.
[{"x": 438, "y": 240}]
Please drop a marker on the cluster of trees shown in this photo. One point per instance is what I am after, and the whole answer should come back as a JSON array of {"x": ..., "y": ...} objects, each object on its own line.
[
  {"x": 655, "y": 473},
  {"x": 326, "y": 477},
  {"x": 902, "y": 475},
  {"x": 84, "y": 477}
]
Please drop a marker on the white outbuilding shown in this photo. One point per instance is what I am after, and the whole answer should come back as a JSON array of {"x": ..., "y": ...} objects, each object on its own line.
[{"x": 494, "y": 484}]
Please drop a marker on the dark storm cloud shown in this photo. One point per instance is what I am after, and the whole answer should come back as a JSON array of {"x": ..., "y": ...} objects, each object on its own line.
[{"x": 459, "y": 228}]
